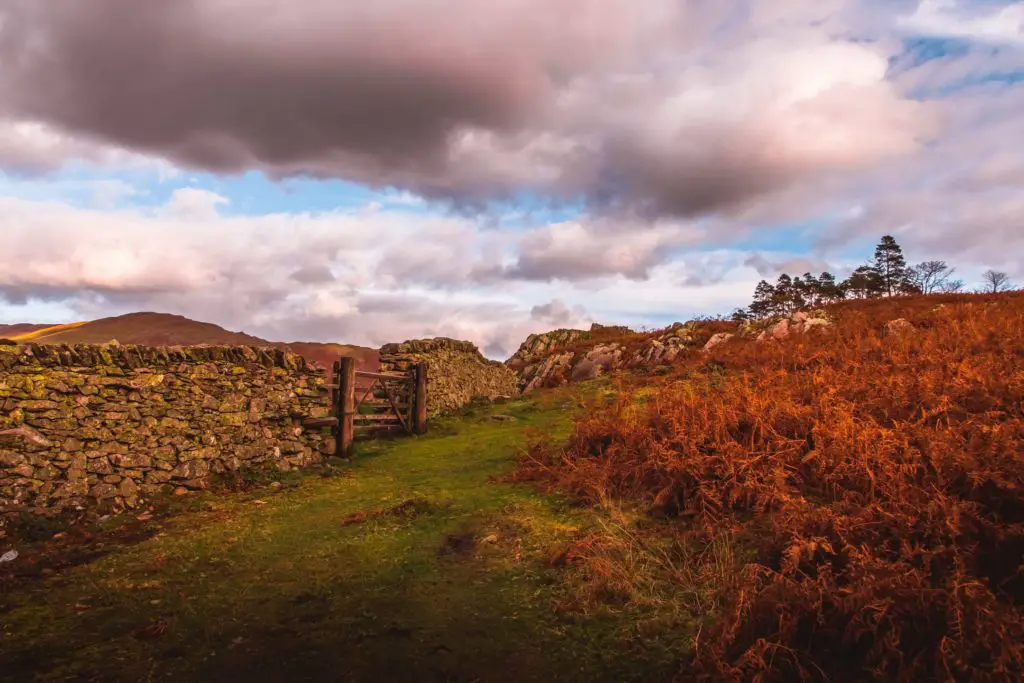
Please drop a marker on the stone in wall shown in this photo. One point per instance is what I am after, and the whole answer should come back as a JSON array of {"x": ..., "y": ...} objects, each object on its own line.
[
  {"x": 457, "y": 374},
  {"x": 112, "y": 424}
]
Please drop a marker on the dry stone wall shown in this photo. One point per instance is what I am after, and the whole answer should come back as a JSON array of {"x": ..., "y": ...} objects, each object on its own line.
[
  {"x": 86, "y": 424},
  {"x": 458, "y": 372}
]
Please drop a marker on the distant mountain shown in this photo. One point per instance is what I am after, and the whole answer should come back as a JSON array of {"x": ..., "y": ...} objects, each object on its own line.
[
  {"x": 164, "y": 329},
  {"x": 9, "y": 331},
  {"x": 324, "y": 355}
]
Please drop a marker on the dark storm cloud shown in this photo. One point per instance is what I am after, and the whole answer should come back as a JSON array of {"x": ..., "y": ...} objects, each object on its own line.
[{"x": 623, "y": 104}]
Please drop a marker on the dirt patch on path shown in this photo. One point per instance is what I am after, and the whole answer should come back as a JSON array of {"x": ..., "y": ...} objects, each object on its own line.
[
  {"x": 407, "y": 510},
  {"x": 459, "y": 545}
]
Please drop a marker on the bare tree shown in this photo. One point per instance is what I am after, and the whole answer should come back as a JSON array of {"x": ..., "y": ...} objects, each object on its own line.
[
  {"x": 995, "y": 281},
  {"x": 931, "y": 276},
  {"x": 952, "y": 286}
]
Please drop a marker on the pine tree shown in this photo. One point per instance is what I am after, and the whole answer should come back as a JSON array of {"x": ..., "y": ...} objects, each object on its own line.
[
  {"x": 798, "y": 294},
  {"x": 830, "y": 290},
  {"x": 811, "y": 291},
  {"x": 764, "y": 295},
  {"x": 782, "y": 301},
  {"x": 891, "y": 267},
  {"x": 740, "y": 315},
  {"x": 864, "y": 283}
]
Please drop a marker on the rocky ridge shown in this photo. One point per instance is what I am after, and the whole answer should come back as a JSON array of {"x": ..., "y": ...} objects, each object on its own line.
[{"x": 561, "y": 356}]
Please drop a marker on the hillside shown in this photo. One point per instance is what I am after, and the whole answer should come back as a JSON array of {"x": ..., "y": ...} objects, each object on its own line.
[
  {"x": 842, "y": 501},
  {"x": 564, "y": 356},
  {"x": 324, "y": 354},
  {"x": 8, "y": 331},
  {"x": 164, "y": 329}
]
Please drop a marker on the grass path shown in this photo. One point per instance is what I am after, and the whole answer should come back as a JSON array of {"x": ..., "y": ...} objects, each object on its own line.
[{"x": 451, "y": 585}]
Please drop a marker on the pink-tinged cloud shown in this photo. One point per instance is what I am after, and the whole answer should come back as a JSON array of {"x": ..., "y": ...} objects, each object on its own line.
[
  {"x": 317, "y": 277},
  {"x": 660, "y": 107}
]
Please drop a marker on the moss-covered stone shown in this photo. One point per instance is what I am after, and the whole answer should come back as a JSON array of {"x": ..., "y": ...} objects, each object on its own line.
[
  {"x": 114, "y": 423},
  {"x": 457, "y": 372},
  {"x": 12, "y": 418}
]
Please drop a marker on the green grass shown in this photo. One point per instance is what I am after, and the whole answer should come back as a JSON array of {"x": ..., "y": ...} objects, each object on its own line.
[{"x": 273, "y": 586}]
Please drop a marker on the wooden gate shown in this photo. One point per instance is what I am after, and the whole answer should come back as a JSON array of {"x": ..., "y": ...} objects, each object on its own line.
[{"x": 370, "y": 404}]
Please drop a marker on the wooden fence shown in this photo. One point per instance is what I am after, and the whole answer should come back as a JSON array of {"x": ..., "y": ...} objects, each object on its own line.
[{"x": 370, "y": 404}]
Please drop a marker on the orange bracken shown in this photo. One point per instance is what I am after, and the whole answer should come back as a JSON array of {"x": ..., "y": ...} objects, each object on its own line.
[{"x": 878, "y": 475}]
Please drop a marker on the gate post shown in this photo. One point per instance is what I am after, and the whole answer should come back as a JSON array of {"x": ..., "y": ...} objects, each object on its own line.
[
  {"x": 419, "y": 423},
  {"x": 346, "y": 406},
  {"x": 335, "y": 393}
]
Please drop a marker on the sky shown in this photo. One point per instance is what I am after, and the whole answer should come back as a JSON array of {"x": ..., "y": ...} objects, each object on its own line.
[{"x": 333, "y": 170}]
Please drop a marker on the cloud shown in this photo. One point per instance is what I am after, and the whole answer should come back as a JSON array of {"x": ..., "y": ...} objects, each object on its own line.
[
  {"x": 318, "y": 277},
  {"x": 662, "y": 108},
  {"x": 556, "y": 314},
  {"x": 770, "y": 268},
  {"x": 195, "y": 203},
  {"x": 972, "y": 64},
  {"x": 313, "y": 275},
  {"x": 164, "y": 253},
  {"x": 669, "y": 138},
  {"x": 676, "y": 291},
  {"x": 978, "y": 21},
  {"x": 102, "y": 193},
  {"x": 32, "y": 148},
  {"x": 958, "y": 200},
  {"x": 595, "y": 248},
  {"x": 445, "y": 253}
]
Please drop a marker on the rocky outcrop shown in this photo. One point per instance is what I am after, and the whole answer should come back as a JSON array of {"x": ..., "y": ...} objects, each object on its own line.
[
  {"x": 798, "y": 323},
  {"x": 718, "y": 339},
  {"x": 899, "y": 326},
  {"x": 457, "y": 373},
  {"x": 539, "y": 346},
  {"x": 555, "y": 358},
  {"x": 85, "y": 424},
  {"x": 543, "y": 356},
  {"x": 667, "y": 344}
]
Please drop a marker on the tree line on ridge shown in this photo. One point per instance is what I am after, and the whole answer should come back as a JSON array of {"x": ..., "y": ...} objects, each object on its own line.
[{"x": 887, "y": 274}]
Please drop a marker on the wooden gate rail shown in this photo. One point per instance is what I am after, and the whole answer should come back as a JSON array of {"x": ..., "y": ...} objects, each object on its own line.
[{"x": 384, "y": 392}]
